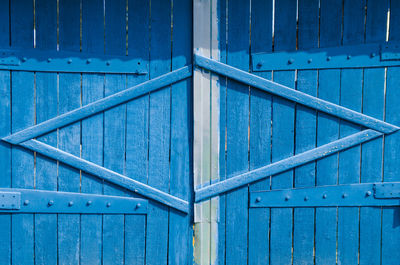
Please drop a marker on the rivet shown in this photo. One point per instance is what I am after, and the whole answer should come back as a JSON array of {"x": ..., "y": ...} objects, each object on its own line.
[
  {"x": 138, "y": 206},
  {"x": 324, "y": 196},
  {"x": 287, "y": 197},
  {"x": 373, "y": 55},
  {"x": 368, "y": 193},
  {"x": 258, "y": 199},
  {"x": 328, "y": 58},
  {"x": 89, "y": 203},
  {"x": 348, "y": 57},
  {"x": 259, "y": 65},
  {"x": 69, "y": 61},
  {"x": 26, "y": 202},
  {"x": 290, "y": 61},
  {"x": 108, "y": 63},
  {"x": 88, "y": 61},
  {"x": 344, "y": 195},
  {"x": 136, "y": 190},
  {"x": 309, "y": 60},
  {"x": 306, "y": 198},
  {"x": 108, "y": 204},
  {"x": 70, "y": 203},
  {"x": 24, "y": 59},
  {"x": 50, "y": 203},
  {"x": 48, "y": 60}
]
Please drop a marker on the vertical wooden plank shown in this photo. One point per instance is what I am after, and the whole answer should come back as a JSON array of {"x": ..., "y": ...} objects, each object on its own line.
[
  {"x": 349, "y": 160},
  {"x": 23, "y": 115},
  {"x": 5, "y": 129},
  {"x": 260, "y": 133},
  {"x": 328, "y": 131},
  {"x": 372, "y": 151},
  {"x": 69, "y": 136},
  {"x": 159, "y": 132},
  {"x": 306, "y": 120},
  {"x": 237, "y": 132},
  {"x": 114, "y": 130},
  {"x": 137, "y": 130},
  {"x": 391, "y": 170},
  {"x": 180, "y": 184},
  {"x": 92, "y": 129},
  {"x": 283, "y": 120},
  {"x": 46, "y": 108}
]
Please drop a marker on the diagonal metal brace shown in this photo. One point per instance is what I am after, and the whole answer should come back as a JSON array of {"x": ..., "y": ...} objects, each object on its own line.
[
  {"x": 294, "y": 95},
  {"x": 108, "y": 175},
  {"x": 100, "y": 105},
  {"x": 236, "y": 181}
]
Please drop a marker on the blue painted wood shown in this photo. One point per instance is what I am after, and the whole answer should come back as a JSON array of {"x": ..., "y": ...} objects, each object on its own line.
[
  {"x": 349, "y": 160},
  {"x": 92, "y": 130},
  {"x": 348, "y": 195},
  {"x": 5, "y": 129},
  {"x": 159, "y": 132},
  {"x": 293, "y": 95},
  {"x": 305, "y": 138},
  {"x": 45, "y": 201},
  {"x": 114, "y": 130},
  {"x": 260, "y": 134},
  {"x": 137, "y": 128},
  {"x": 180, "y": 240},
  {"x": 46, "y": 108},
  {"x": 100, "y": 105},
  {"x": 23, "y": 115},
  {"x": 69, "y": 136},
  {"x": 237, "y": 121},
  {"x": 327, "y": 131}
]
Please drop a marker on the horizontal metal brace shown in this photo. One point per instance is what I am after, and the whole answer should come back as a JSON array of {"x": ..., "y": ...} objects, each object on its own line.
[
  {"x": 324, "y": 196},
  {"x": 41, "y": 201},
  {"x": 355, "y": 56},
  {"x": 73, "y": 62}
]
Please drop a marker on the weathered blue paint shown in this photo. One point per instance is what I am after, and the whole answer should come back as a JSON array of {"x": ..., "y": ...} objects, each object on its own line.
[
  {"x": 293, "y": 95},
  {"x": 238, "y": 180},
  {"x": 43, "y": 201}
]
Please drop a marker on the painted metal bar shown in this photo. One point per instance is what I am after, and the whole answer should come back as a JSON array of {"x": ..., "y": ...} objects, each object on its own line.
[
  {"x": 100, "y": 105},
  {"x": 108, "y": 175},
  {"x": 294, "y": 95},
  {"x": 42, "y": 201},
  {"x": 364, "y": 194},
  {"x": 284, "y": 164},
  {"x": 354, "y": 56},
  {"x": 35, "y": 60}
]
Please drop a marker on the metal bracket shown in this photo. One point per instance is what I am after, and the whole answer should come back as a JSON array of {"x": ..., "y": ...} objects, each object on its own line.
[
  {"x": 10, "y": 200},
  {"x": 42, "y": 201},
  {"x": 387, "y": 190}
]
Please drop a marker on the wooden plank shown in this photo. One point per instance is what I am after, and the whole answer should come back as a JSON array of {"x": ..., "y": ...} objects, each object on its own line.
[
  {"x": 23, "y": 115},
  {"x": 180, "y": 233},
  {"x": 159, "y": 132},
  {"x": 5, "y": 129},
  {"x": 306, "y": 120},
  {"x": 114, "y": 130},
  {"x": 260, "y": 133},
  {"x": 321, "y": 153},
  {"x": 69, "y": 136},
  {"x": 372, "y": 152},
  {"x": 137, "y": 128},
  {"x": 46, "y": 108},
  {"x": 100, "y": 105},
  {"x": 92, "y": 130},
  {"x": 283, "y": 133},
  {"x": 327, "y": 131},
  {"x": 237, "y": 124},
  {"x": 349, "y": 160},
  {"x": 294, "y": 95}
]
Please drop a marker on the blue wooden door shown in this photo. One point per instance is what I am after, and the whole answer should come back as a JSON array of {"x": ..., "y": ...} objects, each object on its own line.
[
  {"x": 95, "y": 100},
  {"x": 308, "y": 156}
]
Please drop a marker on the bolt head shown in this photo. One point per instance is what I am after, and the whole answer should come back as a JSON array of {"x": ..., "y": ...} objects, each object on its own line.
[
  {"x": 306, "y": 198},
  {"x": 69, "y": 61},
  {"x": 48, "y": 60},
  {"x": 88, "y": 61},
  {"x": 368, "y": 193},
  {"x": 290, "y": 61},
  {"x": 108, "y": 204},
  {"x": 309, "y": 60},
  {"x": 50, "y": 203},
  {"x": 344, "y": 195},
  {"x": 70, "y": 203},
  {"x": 26, "y": 202},
  {"x": 138, "y": 206},
  {"x": 24, "y": 59},
  {"x": 348, "y": 57},
  {"x": 259, "y": 65},
  {"x": 258, "y": 199},
  {"x": 89, "y": 203},
  {"x": 328, "y": 58},
  {"x": 136, "y": 190},
  {"x": 373, "y": 55},
  {"x": 324, "y": 196},
  {"x": 287, "y": 197}
]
